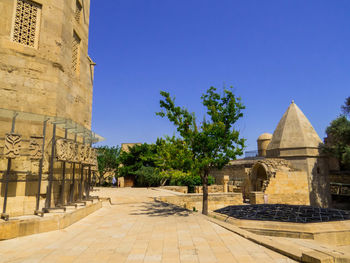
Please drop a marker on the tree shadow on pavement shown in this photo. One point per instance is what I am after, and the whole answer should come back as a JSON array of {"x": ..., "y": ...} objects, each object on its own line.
[{"x": 161, "y": 209}]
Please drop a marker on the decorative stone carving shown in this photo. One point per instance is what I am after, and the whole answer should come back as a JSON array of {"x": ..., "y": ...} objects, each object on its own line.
[
  {"x": 62, "y": 150},
  {"x": 26, "y": 22},
  {"x": 35, "y": 147},
  {"x": 82, "y": 151},
  {"x": 76, "y": 158},
  {"x": 88, "y": 155},
  {"x": 75, "y": 53},
  {"x": 85, "y": 154},
  {"x": 95, "y": 163},
  {"x": 13, "y": 144},
  {"x": 70, "y": 151},
  {"x": 92, "y": 156}
]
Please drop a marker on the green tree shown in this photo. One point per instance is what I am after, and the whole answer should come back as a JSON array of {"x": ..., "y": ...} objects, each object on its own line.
[
  {"x": 173, "y": 154},
  {"x": 108, "y": 161},
  {"x": 346, "y": 107},
  {"x": 147, "y": 176},
  {"x": 213, "y": 142},
  {"x": 136, "y": 158},
  {"x": 338, "y": 141}
]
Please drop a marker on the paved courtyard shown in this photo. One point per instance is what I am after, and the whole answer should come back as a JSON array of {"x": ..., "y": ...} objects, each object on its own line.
[{"x": 137, "y": 229}]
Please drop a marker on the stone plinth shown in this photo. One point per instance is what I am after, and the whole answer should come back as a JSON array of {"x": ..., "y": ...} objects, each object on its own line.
[
  {"x": 256, "y": 198},
  {"x": 226, "y": 178}
]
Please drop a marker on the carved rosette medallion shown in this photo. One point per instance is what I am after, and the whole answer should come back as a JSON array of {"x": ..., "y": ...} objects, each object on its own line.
[
  {"x": 13, "y": 144},
  {"x": 35, "y": 147}
]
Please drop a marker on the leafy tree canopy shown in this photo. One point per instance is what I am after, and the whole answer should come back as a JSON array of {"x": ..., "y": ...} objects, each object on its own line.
[
  {"x": 346, "y": 107},
  {"x": 173, "y": 153},
  {"x": 138, "y": 156},
  {"x": 338, "y": 141},
  {"x": 108, "y": 160},
  {"x": 214, "y": 141},
  {"x": 338, "y": 137}
]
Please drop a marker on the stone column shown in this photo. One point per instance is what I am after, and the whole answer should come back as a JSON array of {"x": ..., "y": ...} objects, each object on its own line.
[
  {"x": 226, "y": 178},
  {"x": 121, "y": 182}
]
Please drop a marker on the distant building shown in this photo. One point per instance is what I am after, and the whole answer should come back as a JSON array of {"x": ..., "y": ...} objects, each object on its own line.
[{"x": 125, "y": 146}]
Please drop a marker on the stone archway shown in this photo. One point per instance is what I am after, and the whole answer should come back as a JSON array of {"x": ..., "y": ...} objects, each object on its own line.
[{"x": 259, "y": 177}]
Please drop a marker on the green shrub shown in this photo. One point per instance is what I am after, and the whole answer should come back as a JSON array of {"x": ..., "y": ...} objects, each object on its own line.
[
  {"x": 147, "y": 176},
  {"x": 179, "y": 178}
]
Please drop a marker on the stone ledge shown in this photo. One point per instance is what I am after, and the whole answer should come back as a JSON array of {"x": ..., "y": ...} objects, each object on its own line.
[
  {"x": 194, "y": 201},
  {"x": 29, "y": 225},
  {"x": 330, "y": 233}
]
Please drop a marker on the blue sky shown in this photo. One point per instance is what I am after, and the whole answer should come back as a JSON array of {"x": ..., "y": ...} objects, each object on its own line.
[{"x": 270, "y": 51}]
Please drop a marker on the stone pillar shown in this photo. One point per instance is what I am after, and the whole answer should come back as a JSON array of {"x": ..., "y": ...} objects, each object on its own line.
[
  {"x": 226, "y": 178},
  {"x": 121, "y": 182}
]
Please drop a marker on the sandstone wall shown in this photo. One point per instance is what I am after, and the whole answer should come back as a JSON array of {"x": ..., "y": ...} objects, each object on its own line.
[
  {"x": 41, "y": 79},
  {"x": 211, "y": 189},
  {"x": 235, "y": 173},
  {"x": 215, "y": 200},
  {"x": 288, "y": 187},
  {"x": 180, "y": 189}
]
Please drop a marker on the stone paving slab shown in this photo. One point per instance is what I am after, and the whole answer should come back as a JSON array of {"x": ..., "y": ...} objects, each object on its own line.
[{"x": 137, "y": 229}]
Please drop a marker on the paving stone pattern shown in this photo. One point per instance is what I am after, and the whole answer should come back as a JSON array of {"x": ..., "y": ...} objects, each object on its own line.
[{"x": 137, "y": 229}]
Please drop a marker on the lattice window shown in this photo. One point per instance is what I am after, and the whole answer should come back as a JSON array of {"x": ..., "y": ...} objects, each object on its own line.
[
  {"x": 75, "y": 53},
  {"x": 25, "y": 30},
  {"x": 78, "y": 10}
]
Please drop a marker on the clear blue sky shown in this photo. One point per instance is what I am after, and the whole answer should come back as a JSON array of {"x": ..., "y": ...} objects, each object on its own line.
[{"x": 270, "y": 51}]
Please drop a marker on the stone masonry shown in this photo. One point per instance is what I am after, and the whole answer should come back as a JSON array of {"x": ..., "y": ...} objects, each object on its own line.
[{"x": 44, "y": 69}]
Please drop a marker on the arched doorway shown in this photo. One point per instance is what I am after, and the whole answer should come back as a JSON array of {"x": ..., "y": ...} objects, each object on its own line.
[{"x": 258, "y": 177}]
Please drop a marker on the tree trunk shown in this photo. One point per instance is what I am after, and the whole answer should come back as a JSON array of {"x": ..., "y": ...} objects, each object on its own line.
[{"x": 205, "y": 193}]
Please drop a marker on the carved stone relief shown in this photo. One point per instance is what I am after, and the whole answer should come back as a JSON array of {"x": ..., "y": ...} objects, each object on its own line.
[
  {"x": 82, "y": 153},
  {"x": 76, "y": 158},
  {"x": 35, "y": 147},
  {"x": 70, "y": 151},
  {"x": 61, "y": 149},
  {"x": 13, "y": 144}
]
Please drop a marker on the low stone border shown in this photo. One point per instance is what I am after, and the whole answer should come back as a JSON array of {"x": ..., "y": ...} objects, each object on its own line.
[
  {"x": 194, "y": 201},
  {"x": 335, "y": 233},
  {"x": 180, "y": 189},
  {"x": 302, "y": 254},
  {"x": 34, "y": 225}
]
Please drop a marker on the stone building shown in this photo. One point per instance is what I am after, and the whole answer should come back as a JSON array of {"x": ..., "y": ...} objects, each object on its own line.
[
  {"x": 46, "y": 79},
  {"x": 290, "y": 167}
]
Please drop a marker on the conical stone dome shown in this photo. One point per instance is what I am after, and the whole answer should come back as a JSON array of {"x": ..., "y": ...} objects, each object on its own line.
[{"x": 294, "y": 136}]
